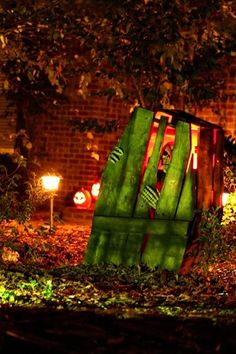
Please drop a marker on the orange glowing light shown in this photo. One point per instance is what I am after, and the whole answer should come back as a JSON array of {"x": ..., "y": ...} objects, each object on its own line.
[
  {"x": 194, "y": 147},
  {"x": 95, "y": 190},
  {"x": 50, "y": 183},
  {"x": 82, "y": 199},
  {"x": 160, "y": 114},
  {"x": 195, "y": 159},
  {"x": 225, "y": 197},
  {"x": 194, "y": 144}
]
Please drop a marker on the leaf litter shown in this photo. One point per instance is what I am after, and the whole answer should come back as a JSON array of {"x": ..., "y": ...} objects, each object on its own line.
[{"x": 45, "y": 268}]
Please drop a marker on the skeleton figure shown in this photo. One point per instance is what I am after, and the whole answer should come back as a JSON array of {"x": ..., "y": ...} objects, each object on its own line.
[
  {"x": 166, "y": 157},
  {"x": 116, "y": 154},
  {"x": 151, "y": 196}
]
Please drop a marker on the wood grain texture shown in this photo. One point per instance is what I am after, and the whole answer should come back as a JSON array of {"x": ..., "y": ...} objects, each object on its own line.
[{"x": 170, "y": 193}]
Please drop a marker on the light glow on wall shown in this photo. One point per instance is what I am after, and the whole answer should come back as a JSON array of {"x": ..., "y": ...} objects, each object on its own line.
[
  {"x": 95, "y": 190},
  {"x": 225, "y": 197},
  {"x": 195, "y": 157},
  {"x": 194, "y": 147}
]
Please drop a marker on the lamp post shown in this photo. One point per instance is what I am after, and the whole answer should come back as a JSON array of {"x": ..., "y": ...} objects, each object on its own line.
[{"x": 51, "y": 184}]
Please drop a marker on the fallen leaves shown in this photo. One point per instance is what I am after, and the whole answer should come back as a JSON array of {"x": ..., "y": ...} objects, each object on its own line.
[
  {"x": 37, "y": 246},
  {"x": 45, "y": 268},
  {"x": 9, "y": 256}
]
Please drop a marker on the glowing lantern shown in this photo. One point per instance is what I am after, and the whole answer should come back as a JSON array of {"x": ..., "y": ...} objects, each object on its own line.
[
  {"x": 195, "y": 160},
  {"x": 50, "y": 183},
  {"x": 82, "y": 199},
  {"x": 95, "y": 190}
]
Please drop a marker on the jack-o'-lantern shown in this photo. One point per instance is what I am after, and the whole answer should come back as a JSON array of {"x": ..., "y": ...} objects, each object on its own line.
[{"x": 82, "y": 199}]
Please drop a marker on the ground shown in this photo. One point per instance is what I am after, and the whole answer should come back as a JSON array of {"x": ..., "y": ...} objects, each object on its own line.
[{"x": 51, "y": 303}]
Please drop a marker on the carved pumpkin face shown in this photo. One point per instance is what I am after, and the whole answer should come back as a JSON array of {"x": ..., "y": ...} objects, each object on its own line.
[
  {"x": 79, "y": 198},
  {"x": 82, "y": 199}
]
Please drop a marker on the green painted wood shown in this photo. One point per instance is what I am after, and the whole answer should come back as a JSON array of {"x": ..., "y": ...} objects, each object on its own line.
[
  {"x": 112, "y": 177},
  {"x": 128, "y": 192},
  {"x": 98, "y": 243},
  {"x": 119, "y": 225},
  {"x": 119, "y": 188},
  {"x": 134, "y": 242},
  {"x": 187, "y": 202},
  {"x": 135, "y": 225},
  {"x": 150, "y": 175},
  {"x": 165, "y": 248},
  {"x": 114, "y": 193},
  {"x": 138, "y": 140},
  {"x": 116, "y": 247},
  {"x": 97, "y": 247},
  {"x": 132, "y": 252},
  {"x": 170, "y": 193},
  {"x": 91, "y": 248}
]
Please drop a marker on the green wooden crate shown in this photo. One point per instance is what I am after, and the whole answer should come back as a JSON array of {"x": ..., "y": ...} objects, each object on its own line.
[{"x": 125, "y": 229}]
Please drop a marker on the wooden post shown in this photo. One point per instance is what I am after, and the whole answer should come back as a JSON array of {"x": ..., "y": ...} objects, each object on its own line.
[
  {"x": 218, "y": 184},
  {"x": 205, "y": 169},
  {"x": 51, "y": 212}
]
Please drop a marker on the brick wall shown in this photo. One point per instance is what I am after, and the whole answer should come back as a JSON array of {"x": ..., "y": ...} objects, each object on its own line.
[
  {"x": 74, "y": 155},
  {"x": 225, "y": 112},
  {"x": 79, "y": 157},
  {"x": 7, "y": 122}
]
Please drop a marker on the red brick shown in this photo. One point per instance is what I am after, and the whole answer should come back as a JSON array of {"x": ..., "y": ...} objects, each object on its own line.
[{"x": 66, "y": 150}]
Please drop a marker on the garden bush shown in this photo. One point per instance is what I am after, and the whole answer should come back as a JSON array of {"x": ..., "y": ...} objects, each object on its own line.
[{"x": 20, "y": 191}]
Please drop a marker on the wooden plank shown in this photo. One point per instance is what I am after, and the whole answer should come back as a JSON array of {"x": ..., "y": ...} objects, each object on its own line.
[
  {"x": 132, "y": 252},
  {"x": 135, "y": 225},
  {"x": 150, "y": 175},
  {"x": 170, "y": 193},
  {"x": 120, "y": 183},
  {"x": 218, "y": 183},
  {"x": 120, "y": 180},
  {"x": 136, "y": 148},
  {"x": 97, "y": 247},
  {"x": 134, "y": 242},
  {"x": 166, "y": 249},
  {"x": 116, "y": 247},
  {"x": 112, "y": 178},
  {"x": 128, "y": 191},
  {"x": 205, "y": 170},
  {"x": 187, "y": 202}
]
